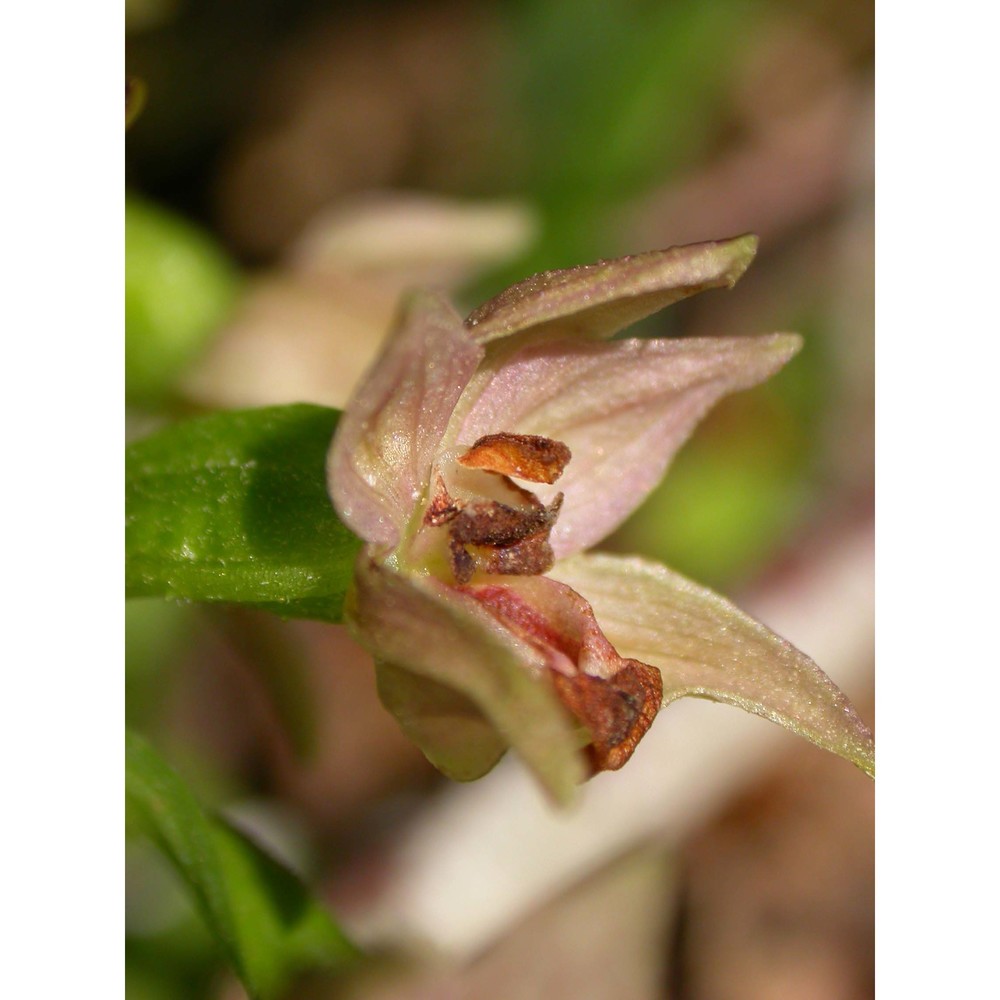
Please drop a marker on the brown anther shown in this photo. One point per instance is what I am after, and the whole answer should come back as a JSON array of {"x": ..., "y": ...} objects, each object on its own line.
[
  {"x": 443, "y": 508},
  {"x": 495, "y": 538},
  {"x": 529, "y": 557},
  {"x": 462, "y": 564},
  {"x": 617, "y": 712},
  {"x": 490, "y": 522},
  {"x": 526, "y": 456}
]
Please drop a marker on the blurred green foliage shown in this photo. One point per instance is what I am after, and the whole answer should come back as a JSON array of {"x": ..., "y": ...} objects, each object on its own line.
[
  {"x": 260, "y": 914},
  {"x": 179, "y": 287},
  {"x": 607, "y": 100},
  {"x": 170, "y": 954},
  {"x": 157, "y": 633}
]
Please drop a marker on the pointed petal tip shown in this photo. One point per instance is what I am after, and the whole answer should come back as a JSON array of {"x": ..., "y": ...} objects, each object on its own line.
[
  {"x": 709, "y": 264},
  {"x": 864, "y": 757},
  {"x": 786, "y": 345},
  {"x": 705, "y": 647},
  {"x": 599, "y": 299},
  {"x": 852, "y": 741},
  {"x": 742, "y": 249}
]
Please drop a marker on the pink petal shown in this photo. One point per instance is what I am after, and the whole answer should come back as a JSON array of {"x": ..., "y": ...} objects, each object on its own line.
[
  {"x": 624, "y": 408},
  {"x": 706, "y": 647},
  {"x": 379, "y": 462},
  {"x": 598, "y": 300},
  {"x": 485, "y": 687}
]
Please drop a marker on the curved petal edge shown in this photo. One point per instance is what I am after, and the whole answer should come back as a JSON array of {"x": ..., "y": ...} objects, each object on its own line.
[
  {"x": 430, "y": 631},
  {"x": 376, "y": 467},
  {"x": 704, "y": 646},
  {"x": 597, "y": 300},
  {"x": 623, "y": 408}
]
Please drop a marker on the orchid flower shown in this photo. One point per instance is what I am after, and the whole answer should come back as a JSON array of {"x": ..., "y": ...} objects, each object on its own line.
[{"x": 490, "y": 624}]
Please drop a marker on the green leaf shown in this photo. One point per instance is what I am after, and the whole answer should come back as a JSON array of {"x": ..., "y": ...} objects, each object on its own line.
[
  {"x": 264, "y": 919},
  {"x": 233, "y": 507}
]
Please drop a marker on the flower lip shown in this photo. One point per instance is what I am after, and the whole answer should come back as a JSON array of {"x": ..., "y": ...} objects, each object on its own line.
[
  {"x": 616, "y": 702},
  {"x": 617, "y": 712}
]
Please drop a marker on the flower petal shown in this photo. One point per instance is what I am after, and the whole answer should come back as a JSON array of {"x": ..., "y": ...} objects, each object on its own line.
[
  {"x": 706, "y": 647},
  {"x": 598, "y": 300},
  {"x": 380, "y": 459},
  {"x": 623, "y": 408},
  {"x": 453, "y": 734},
  {"x": 422, "y": 627},
  {"x": 616, "y": 699}
]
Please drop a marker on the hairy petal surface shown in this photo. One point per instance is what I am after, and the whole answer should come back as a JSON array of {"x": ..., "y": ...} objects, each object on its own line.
[
  {"x": 706, "y": 647},
  {"x": 623, "y": 408},
  {"x": 425, "y": 630},
  {"x": 388, "y": 435},
  {"x": 598, "y": 300}
]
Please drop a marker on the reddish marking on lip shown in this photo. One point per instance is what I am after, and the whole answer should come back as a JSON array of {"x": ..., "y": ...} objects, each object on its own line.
[
  {"x": 616, "y": 710},
  {"x": 504, "y": 603}
]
